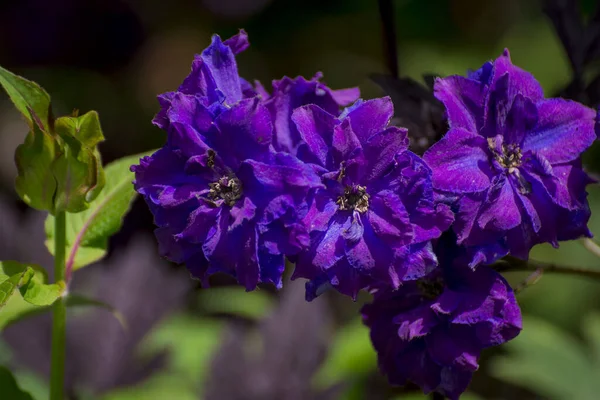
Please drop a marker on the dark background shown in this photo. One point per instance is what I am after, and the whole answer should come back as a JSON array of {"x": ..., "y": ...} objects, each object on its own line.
[{"x": 183, "y": 342}]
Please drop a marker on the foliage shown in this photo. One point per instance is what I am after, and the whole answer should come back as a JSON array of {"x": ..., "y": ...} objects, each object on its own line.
[
  {"x": 9, "y": 387},
  {"x": 88, "y": 231},
  {"x": 549, "y": 361},
  {"x": 59, "y": 167}
]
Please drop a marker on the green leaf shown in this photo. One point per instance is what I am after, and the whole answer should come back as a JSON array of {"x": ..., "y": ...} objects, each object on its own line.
[
  {"x": 75, "y": 300},
  {"x": 159, "y": 386},
  {"x": 31, "y": 280},
  {"x": 236, "y": 301},
  {"x": 29, "y": 98},
  {"x": 351, "y": 356},
  {"x": 550, "y": 362},
  {"x": 8, "y": 287},
  {"x": 9, "y": 388},
  {"x": 18, "y": 309},
  {"x": 78, "y": 169},
  {"x": 191, "y": 343},
  {"x": 88, "y": 231},
  {"x": 35, "y": 183}
]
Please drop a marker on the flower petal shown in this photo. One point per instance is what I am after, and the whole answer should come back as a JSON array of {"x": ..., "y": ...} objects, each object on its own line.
[
  {"x": 500, "y": 211},
  {"x": 454, "y": 346},
  {"x": 564, "y": 130},
  {"x": 371, "y": 117},
  {"x": 238, "y": 43},
  {"x": 460, "y": 162},
  {"x": 219, "y": 58},
  {"x": 315, "y": 126},
  {"x": 245, "y": 132},
  {"x": 520, "y": 80},
  {"x": 463, "y": 99},
  {"x": 381, "y": 149},
  {"x": 389, "y": 220}
]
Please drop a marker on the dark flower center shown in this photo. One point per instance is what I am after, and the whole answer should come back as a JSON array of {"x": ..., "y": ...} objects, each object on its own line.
[
  {"x": 227, "y": 188},
  {"x": 431, "y": 288},
  {"x": 510, "y": 157},
  {"x": 355, "y": 197}
]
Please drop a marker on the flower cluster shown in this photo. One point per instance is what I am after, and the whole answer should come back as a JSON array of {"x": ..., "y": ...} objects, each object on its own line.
[
  {"x": 431, "y": 331},
  {"x": 248, "y": 178}
]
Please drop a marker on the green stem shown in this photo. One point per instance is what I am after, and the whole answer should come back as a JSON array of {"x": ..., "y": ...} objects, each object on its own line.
[
  {"x": 59, "y": 312},
  {"x": 510, "y": 263}
]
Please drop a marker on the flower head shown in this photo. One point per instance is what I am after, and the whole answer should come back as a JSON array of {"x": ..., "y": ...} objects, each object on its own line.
[
  {"x": 510, "y": 162},
  {"x": 223, "y": 200},
  {"x": 431, "y": 331},
  {"x": 374, "y": 219}
]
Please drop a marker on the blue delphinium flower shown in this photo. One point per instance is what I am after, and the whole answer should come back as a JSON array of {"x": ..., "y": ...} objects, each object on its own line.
[
  {"x": 223, "y": 199},
  {"x": 511, "y": 162},
  {"x": 374, "y": 219},
  {"x": 432, "y": 331}
]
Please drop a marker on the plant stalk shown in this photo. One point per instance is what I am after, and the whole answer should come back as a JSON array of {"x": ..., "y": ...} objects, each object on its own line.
[
  {"x": 510, "y": 263},
  {"x": 59, "y": 312}
]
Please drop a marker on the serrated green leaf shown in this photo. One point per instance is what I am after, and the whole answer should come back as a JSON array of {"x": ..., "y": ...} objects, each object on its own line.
[
  {"x": 78, "y": 169},
  {"x": 9, "y": 387},
  {"x": 29, "y": 98},
  {"x": 88, "y": 231},
  {"x": 30, "y": 279}
]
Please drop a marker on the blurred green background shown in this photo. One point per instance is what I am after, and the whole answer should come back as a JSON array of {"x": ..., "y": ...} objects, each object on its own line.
[{"x": 184, "y": 342}]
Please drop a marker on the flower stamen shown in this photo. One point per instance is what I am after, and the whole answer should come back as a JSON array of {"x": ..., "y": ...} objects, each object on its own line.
[
  {"x": 227, "y": 188},
  {"x": 354, "y": 198},
  {"x": 510, "y": 157}
]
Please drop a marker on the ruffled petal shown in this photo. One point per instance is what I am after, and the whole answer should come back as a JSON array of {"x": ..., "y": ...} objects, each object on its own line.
[
  {"x": 455, "y": 346},
  {"x": 219, "y": 59},
  {"x": 389, "y": 220},
  {"x": 371, "y": 117},
  {"x": 520, "y": 81},
  {"x": 289, "y": 94},
  {"x": 380, "y": 151},
  {"x": 245, "y": 131},
  {"x": 460, "y": 162},
  {"x": 565, "y": 129},
  {"x": 315, "y": 126},
  {"x": 345, "y": 143},
  {"x": 463, "y": 99},
  {"x": 500, "y": 211},
  {"x": 238, "y": 43}
]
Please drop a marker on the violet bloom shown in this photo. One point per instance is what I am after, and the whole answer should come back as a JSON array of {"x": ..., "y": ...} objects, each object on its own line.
[
  {"x": 431, "y": 332},
  {"x": 223, "y": 200},
  {"x": 289, "y": 94},
  {"x": 374, "y": 220},
  {"x": 511, "y": 160}
]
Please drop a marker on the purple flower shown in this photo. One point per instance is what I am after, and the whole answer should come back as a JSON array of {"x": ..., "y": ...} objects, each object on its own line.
[
  {"x": 510, "y": 161},
  {"x": 289, "y": 94},
  {"x": 374, "y": 219},
  {"x": 223, "y": 200},
  {"x": 431, "y": 332}
]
